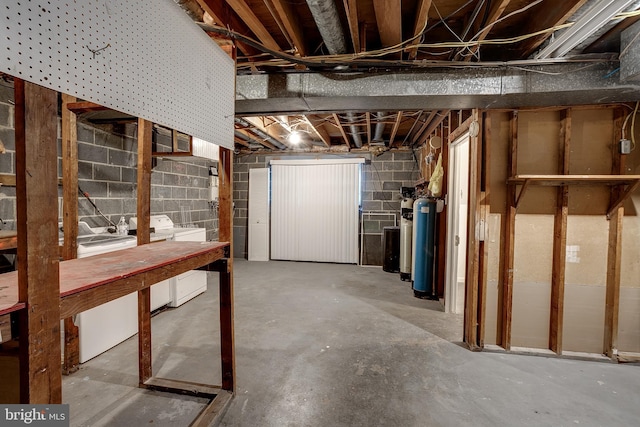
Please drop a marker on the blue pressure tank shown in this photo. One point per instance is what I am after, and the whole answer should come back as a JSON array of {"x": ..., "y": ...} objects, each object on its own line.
[{"x": 424, "y": 225}]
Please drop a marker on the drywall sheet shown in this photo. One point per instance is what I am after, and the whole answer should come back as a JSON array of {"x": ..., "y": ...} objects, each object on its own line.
[
  {"x": 146, "y": 58},
  {"x": 533, "y": 254},
  {"x": 493, "y": 279},
  {"x": 629, "y": 317},
  {"x": 585, "y": 283}
]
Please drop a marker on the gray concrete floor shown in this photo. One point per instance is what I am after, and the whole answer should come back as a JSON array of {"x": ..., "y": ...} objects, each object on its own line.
[{"x": 341, "y": 345}]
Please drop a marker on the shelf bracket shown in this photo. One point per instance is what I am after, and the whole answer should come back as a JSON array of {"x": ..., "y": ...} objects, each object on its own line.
[
  {"x": 525, "y": 185},
  {"x": 627, "y": 192}
]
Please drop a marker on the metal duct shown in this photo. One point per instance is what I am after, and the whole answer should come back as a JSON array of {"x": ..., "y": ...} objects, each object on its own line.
[
  {"x": 260, "y": 133},
  {"x": 377, "y": 133},
  {"x": 354, "y": 130},
  {"x": 327, "y": 19}
]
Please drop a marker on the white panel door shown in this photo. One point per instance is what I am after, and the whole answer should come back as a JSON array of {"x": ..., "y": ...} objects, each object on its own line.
[
  {"x": 315, "y": 210},
  {"x": 258, "y": 240}
]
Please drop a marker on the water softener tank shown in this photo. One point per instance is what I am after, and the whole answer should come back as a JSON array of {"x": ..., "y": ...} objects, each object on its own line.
[
  {"x": 406, "y": 238},
  {"x": 424, "y": 225}
]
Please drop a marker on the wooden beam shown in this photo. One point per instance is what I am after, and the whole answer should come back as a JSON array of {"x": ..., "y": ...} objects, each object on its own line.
[
  {"x": 253, "y": 22},
  {"x": 496, "y": 11},
  {"x": 36, "y": 119},
  {"x": 389, "y": 21},
  {"x": 471, "y": 335},
  {"x": 614, "y": 247},
  {"x": 84, "y": 107},
  {"x": 422, "y": 15},
  {"x": 319, "y": 129},
  {"x": 394, "y": 131},
  {"x": 416, "y": 134},
  {"x": 69, "y": 130},
  {"x": 351, "y": 9},
  {"x": 341, "y": 129},
  {"x": 548, "y": 15},
  {"x": 441, "y": 116},
  {"x": 368, "y": 119},
  {"x": 289, "y": 20},
  {"x": 145, "y": 130},
  {"x": 485, "y": 210},
  {"x": 505, "y": 304},
  {"x": 221, "y": 14},
  {"x": 274, "y": 129},
  {"x": 241, "y": 141},
  {"x": 257, "y": 139},
  {"x": 558, "y": 266}
]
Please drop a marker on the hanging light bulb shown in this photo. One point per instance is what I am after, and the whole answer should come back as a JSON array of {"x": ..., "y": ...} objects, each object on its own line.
[{"x": 295, "y": 137}]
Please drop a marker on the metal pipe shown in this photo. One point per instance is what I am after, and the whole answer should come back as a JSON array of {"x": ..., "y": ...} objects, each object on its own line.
[
  {"x": 377, "y": 133},
  {"x": 354, "y": 130},
  {"x": 259, "y": 132},
  {"x": 325, "y": 14}
]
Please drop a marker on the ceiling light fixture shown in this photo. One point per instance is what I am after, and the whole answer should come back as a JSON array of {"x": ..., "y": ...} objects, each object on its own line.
[
  {"x": 588, "y": 24},
  {"x": 295, "y": 137}
]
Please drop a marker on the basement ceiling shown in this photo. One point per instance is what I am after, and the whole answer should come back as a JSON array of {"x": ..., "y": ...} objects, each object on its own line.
[{"x": 342, "y": 37}]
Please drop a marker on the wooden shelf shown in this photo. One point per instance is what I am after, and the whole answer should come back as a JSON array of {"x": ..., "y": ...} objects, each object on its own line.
[{"x": 631, "y": 181}]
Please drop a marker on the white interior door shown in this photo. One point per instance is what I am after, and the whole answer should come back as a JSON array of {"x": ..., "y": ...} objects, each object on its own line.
[
  {"x": 315, "y": 210},
  {"x": 258, "y": 239},
  {"x": 458, "y": 200}
]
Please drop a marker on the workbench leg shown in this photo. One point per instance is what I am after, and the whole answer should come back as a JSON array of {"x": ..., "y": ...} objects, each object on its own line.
[
  {"x": 227, "y": 346},
  {"x": 144, "y": 335},
  {"x": 71, "y": 359}
]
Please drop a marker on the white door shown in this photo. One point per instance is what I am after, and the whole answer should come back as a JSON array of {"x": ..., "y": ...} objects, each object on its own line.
[
  {"x": 458, "y": 200},
  {"x": 258, "y": 240}
]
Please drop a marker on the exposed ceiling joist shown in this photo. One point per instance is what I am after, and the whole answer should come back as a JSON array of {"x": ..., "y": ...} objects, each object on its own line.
[
  {"x": 440, "y": 117},
  {"x": 216, "y": 10},
  {"x": 422, "y": 15},
  {"x": 394, "y": 131},
  {"x": 253, "y": 22},
  {"x": 495, "y": 12},
  {"x": 368, "y": 118},
  {"x": 291, "y": 25},
  {"x": 257, "y": 138},
  {"x": 389, "y": 19},
  {"x": 351, "y": 7},
  {"x": 341, "y": 129},
  {"x": 319, "y": 129}
]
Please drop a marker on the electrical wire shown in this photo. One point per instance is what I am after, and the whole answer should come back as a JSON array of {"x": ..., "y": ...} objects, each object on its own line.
[
  {"x": 633, "y": 127},
  {"x": 86, "y": 196}
]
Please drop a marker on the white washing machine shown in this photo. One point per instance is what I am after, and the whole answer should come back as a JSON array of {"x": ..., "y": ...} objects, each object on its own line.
[
  {"x": 107, "y": 325},
  {"x": 185, "y": 286}
]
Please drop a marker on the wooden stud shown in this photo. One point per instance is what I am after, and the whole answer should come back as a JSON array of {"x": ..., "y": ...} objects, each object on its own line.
[
  {"x": 36, "y": 112},
  {"x": 145, "y": 129},
  {"x": 473, "y": 247},
  {"x": 558, "y": 266},
  {"x": 69, "y": 130},
  {"x": 505, "y": 295},
  {"x": 351, "y": 8},
  {"x": 614, "y": 247},
  {"x": 394, "y": 131},
  {"x": 485, "y": 210},
  {"x": 368, "y": 120}
]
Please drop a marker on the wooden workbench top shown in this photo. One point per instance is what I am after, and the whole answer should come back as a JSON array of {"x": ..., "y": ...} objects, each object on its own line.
[{"x": 92, "y": 281}]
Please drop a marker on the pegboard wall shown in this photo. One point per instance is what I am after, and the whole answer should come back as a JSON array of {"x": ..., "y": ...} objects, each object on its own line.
[{"x": 144, "y": 57}]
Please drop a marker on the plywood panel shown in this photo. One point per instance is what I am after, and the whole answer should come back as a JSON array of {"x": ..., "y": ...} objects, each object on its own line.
[
  {"x": 539, "y": 141},
  {"x": 500, "y": 131},
  {"x": 532, "y": 281},
  {"x": 493, "y": 275},
  {"x": 629, "y": 320},
  {"x": 590, "y": 155}
]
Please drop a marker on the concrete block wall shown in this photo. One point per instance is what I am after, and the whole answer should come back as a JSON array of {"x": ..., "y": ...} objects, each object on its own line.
[
  {"x": 382, "y": 177},
  {"x": 107, "y": 164}
]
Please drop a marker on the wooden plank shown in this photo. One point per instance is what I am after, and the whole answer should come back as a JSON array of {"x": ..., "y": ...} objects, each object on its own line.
[
  {"x": 182, "y": 387},
  {"x": 8, "y": 240},
  {"x": 560, "y": 180},
  {"x": 614, "y": 247},
  {"x": 36, "y": 117},
  {"x": 227, "y": 346},
  {"x": 145, "y": 130},
  {"x": 441, "y": 116},
  {"x": 508, "y": 232},
  {"x": 621, "y": 198},
  {"x": 253, "y": 22},
  {"x": 422, "y": 15},
  {"x": 558, "y": 266},
  {"x": 417, "y": 134},
  {"x": 69, "y": 131},
  {"x": 319, "y": 129},
  {"x": 7, "y": 180},
  {"x": 389, "y": 20},
  {"x": 241, "y": 141},
  {"x": 460, "y": 130},
  {"x": 345, "y": 138},
  {"x": 225, "y": 197},
  {"x": 473, "y": 247},
  {"x": 485, "y": 210},
  {"x": 291, "y": 24},
  {"x": 211, "y": 415},
  {"x": 220, "y": 12},
  {"x": 523, "y": 190},
  {"x": 84, "y": 106},
  {"x": 394, "y": 131},
  {"x": 351, "y": 9},
  {"x": 367, "y": 116}
]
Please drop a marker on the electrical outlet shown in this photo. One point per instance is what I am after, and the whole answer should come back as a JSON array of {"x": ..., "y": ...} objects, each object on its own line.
[{"x": 625, "y": 146}]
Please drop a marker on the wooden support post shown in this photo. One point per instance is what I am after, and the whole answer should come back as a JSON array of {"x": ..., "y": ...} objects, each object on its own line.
[
  {"x": 441, "y": 219},
  {"x": 485, "y": 209},
  {"x": 36, "y": 111},
  {"x": 145, "y": 130},
  {"x": 69, "y": 130},
  {"x": 614, "y": 249},
  {"x": 560, "y": 242},
  {"x": 505, "y": 296},
  {"x": 473, "y": 247},
  {"x": 225, "y": 171}
]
